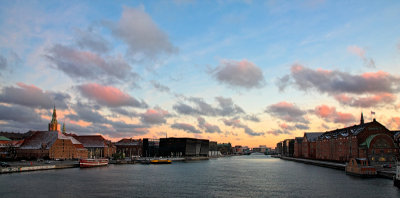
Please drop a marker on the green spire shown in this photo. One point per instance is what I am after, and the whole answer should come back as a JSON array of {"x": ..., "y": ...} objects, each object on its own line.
[{"x": 63, "y": 128}]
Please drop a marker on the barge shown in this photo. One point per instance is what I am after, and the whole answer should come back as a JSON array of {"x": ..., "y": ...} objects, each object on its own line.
[
  {"x": 360, "y": 167},
  {"x": 87, "y": 163}
]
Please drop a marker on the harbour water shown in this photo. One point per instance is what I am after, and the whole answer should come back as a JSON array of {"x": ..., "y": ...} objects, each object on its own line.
[{"x": 240, "y": 176}]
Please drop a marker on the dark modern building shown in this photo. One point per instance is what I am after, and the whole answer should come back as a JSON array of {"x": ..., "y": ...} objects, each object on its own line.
[
  {"x": 178, "y": 147},
  {"x": 151, "y": 147}
]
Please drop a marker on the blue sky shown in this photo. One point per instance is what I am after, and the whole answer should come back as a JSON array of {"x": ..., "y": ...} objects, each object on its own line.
[{"x": 146, "y": 68}]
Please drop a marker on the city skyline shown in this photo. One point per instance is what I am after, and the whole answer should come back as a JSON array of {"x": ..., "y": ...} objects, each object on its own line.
[{"x": 246, "y": 72}]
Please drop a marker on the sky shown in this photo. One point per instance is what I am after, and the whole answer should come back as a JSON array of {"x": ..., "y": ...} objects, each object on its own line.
[{"x": 245, "y": 72}]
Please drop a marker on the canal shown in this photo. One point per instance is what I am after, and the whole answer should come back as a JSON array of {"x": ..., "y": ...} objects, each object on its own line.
[{"x": 240, "y": 176}]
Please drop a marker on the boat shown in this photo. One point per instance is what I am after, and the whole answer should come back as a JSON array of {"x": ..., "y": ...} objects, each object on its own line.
[
  {"x": 160, "y": 161},
  {"x": 86, "y": 163},
  {"x": 360, "y": 167},
  {"x": 397, "y": 176}
]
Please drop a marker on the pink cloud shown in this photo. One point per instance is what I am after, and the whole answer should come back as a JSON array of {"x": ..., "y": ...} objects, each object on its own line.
[
  {"x": 367, "y": 101},
  {"x": 154, "y": 116},
  {"x": 109, "y": 96},
  {"x": 331, "y": 115},
  {"x": 356, "y": 50}
]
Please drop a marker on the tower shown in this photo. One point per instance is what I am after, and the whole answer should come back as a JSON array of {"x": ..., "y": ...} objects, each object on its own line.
[
  {"x": 63, "y": 128},
  {"x": 362, "y": 118},
  {"x": 53, "y": 125}
]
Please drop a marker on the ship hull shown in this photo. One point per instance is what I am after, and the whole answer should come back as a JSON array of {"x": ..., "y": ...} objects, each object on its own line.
[{"x": 88, "y": 163}]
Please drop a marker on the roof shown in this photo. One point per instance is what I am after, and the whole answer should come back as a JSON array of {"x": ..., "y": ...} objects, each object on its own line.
[
  {"x": 2, "y": 138},
  {"x": 45, "y": 139},
  {"x": 128, "y": 142},
  {"x": 91, "y": 140},
  {"x": 40, "y": 139},
  {"x": 396, "y": 134},
  {"x": 298, "y": 139},
  {"x": 344, "y": 132},
  {"x": 312, "y": 136}
]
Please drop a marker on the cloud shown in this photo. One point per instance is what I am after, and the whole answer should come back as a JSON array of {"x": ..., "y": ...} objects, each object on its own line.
[
  {"x": 367, "y": 101},
  {"x": 242, "y": 74},
  {"x": 154, "y": 116},
  {"x": 288, "y": 112},
  {"x": 160, "y": 87},
  {"x": 86, "y": 65},
  {"x": 286, "y": 127},
  {"x": 360, "y": 52},
  {"x": 186, "y": 127},
  {"x": 32, "y": 96},
  {"x": 396, "y": 121},
  {"x": 142, "y": 35},
  {"x": 331, "y": 115},
  {"x": 336, "y": 82},
  {"x": 209, "y": 128},
  {"x": 237, "y": 124},
  {"x": 109, "y": 96},
  {"x": 91, "y": 41},
  {"x": 18, "y": 113},
  {"x": 253, "y": 118},
  {"x": 225, "y": 107},
  {"x": 100, "y": 123},
  {"x": 278, "y": 132}
]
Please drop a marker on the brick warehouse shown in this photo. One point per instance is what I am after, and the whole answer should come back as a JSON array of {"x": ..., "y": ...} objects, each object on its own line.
[
  {"x": 308, "y": 145},
  {"x": 367, "y": 140},
  {"x": 51, "y": 145}
]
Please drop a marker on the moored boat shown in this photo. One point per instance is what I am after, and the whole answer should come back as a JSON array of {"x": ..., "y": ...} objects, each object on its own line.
[
  {"x": 360, "y": 167},
  {"x": 160, "y": 161},
  {"x": 86, "y": 163}
]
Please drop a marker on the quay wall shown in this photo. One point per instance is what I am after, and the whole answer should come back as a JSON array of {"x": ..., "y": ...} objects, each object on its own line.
[
  {"x": 36, "y": 168},
  {"x": 339, "y": 166}
]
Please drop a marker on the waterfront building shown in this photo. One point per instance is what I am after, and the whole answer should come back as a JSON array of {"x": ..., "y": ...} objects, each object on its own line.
[
  {"x": 51, "y": 145},
  {"x": 298, "y": 147},
  {"x": 308, "y": 144},
  {"x": 225, "y": 148},
  {"x": 97, "y": 145},
  {"x": 279, "y": 148},
  {"x": 288, "y": 147},
  {"x": 151, "y": 147},
  {"x": 129, "y": 147},
  {"x": 369, "y": 140},
  {"x": 178, "y": 147},
  {"x": 213, "y": 149},
  {"x": 8, "y": 147}
]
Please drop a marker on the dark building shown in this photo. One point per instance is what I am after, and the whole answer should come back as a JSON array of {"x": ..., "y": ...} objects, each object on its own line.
[
  {"x": 279, "y": 148},
  {"x": 225, "y": 148},
  {"x": 288, "y": 146},
  {"x": 178, "y": 147},
  {"x": 97, "y": 145},
  {"x": 151, "y": 147},
  {"x": 129, "y": 147}
]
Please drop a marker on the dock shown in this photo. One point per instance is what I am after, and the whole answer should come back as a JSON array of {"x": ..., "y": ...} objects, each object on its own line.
[
  {"x": 36, "y": 168},
  {"x": 388, "y": 174}
]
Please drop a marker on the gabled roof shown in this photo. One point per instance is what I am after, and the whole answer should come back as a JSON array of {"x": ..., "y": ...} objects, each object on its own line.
[
  {"x": 128, "y": 142},
  {"x": 312, "y": 136},
  {"x": 40, "y": 139},
  {"x": 45, "y": 139},
  {"x": 91, "y": 141},
  {"x": 344, "y": 132}
]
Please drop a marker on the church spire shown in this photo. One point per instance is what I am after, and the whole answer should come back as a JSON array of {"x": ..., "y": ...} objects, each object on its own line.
[
  {"x": 362, "y": 118},
  {"x": 63, "y": 128},
  {"x": 53, "y": 125}
]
